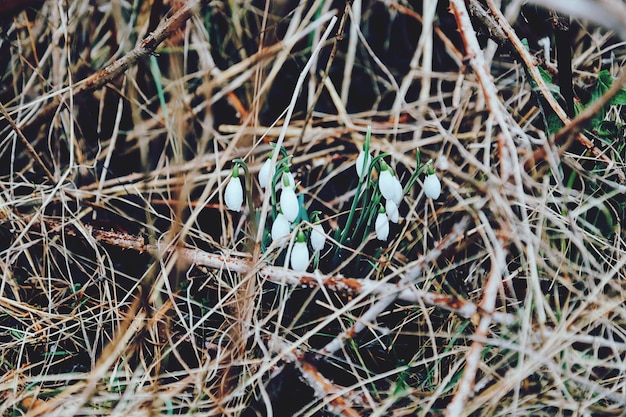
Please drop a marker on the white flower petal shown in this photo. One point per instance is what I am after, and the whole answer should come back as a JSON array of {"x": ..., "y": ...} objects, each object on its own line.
[
  {"x": 432, "y": 186},
  {"x": 289, "y": 203},
  {"x": 233, "y": 195},
  {"x": 299, "y": 257},
  {"x": 360, "y": 161},
  {"x": 392, "y": 211},
  {"x": 385, "y": 184},
  {"x": 382, "y": 226},
  {"x": 318, "y": 237},
  {"x": 398, "y": 192},
  {"x": 280, "y": 228},
  {"x": 266, "y": 173}
]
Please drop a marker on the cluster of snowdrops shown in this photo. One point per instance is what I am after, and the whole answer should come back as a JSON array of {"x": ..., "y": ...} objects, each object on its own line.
[{"x": 289, "y": 215}]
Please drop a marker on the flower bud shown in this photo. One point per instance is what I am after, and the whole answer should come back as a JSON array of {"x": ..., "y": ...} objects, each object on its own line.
[
  {"x": 318, "y": 237},
  {"x": 432, "y": 186},
  {"x": 299, "y": 254},
  {"x": 280, "y": 228},
  {"x": 289, "y": 203},
  {"x": 362, "y": 164},
  {"x": 382, "y": 226},
  {"x": 266, "y": 173},
  {"x": 398, "y": 192},
  {"x": 392, "y": 211},
  {"x": 385, "y": 184},
  {"x": 233, "y": 195}
]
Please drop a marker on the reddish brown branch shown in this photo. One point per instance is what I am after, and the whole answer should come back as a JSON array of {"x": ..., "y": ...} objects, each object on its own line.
[
  {"x": 584, "y": 117},
  {"x": 325, "y": 389}
]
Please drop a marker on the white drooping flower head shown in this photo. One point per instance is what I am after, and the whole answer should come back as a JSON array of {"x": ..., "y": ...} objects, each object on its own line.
[
  {"x": 392, "y": 211},
  {"x": 233, "y": 195},
  {"x": 280, "y": 228},
  {"x": 432, "y": 186},
  {"x": 266, "y": 173},
  {"x": 318, "y": 237},
  {"x": 289, "y": 204},
  {"x": 362, "y": 164},
  {"x": 382, "y": 225},
  {"x": 299, "y": 258},
  {"x": 386, "y": 182}
]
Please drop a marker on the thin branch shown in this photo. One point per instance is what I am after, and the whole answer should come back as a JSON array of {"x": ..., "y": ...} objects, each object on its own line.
[
  {"x": 594, "y": 108},
  {"x": 325, "y": 389}
]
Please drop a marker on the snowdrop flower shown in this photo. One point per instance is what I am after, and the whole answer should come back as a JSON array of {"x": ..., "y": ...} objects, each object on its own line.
[
  {"x": 389, "y": 185},
  {"x": 280, "y": 228},
  {"x": 363, "y": 163},
  {"x": 266, "y": 173},
  {"x": 432, "y": 186},
  {"x": 318, "y": 237},
  {"x": 392, "y": 211},
  {"x": 233, "y": 195},
  {"x": 382, "y": 225},
  {"x": 299, "y": 254},
  {"x": 289, "y": 204}
]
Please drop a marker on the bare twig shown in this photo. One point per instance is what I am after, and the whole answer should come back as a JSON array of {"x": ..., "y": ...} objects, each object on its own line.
[
  {"x": 584, "y": 117},
  {"x": 325, "y": 389}
]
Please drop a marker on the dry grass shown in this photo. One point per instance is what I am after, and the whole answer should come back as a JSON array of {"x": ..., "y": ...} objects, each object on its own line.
[{"x": 128, "y": 288}]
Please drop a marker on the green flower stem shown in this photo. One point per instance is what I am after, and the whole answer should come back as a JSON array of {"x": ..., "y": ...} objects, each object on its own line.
[
  {"x": 282, "y": 166},
  {"x": 358, "y": 197},
  {"x": 366, "y": 220},
  {"x": 355, "y": 201},
  {"x": 417, "y": 173}
]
